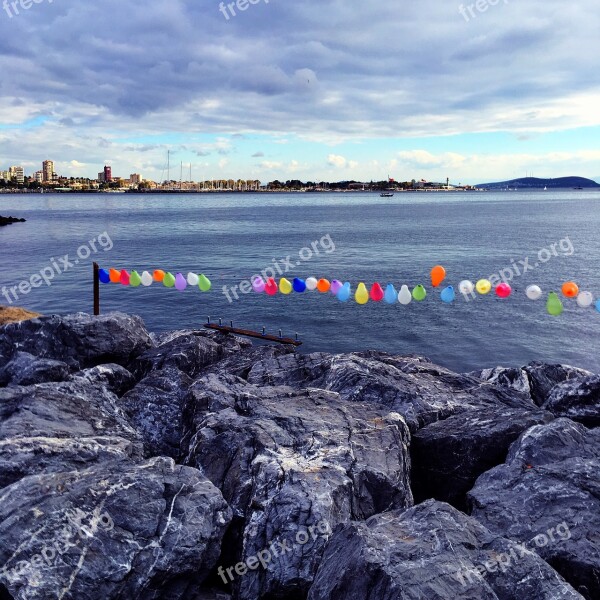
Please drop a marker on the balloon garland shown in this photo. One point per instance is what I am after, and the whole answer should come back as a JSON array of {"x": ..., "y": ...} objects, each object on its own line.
[{"x": 362, "y": 295}]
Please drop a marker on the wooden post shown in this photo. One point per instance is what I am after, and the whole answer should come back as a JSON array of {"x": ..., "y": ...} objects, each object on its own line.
[{"x": 96, "y": 289}]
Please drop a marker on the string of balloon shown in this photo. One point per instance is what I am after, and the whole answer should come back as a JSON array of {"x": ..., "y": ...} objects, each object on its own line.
[{"x": 362, "y": 295}]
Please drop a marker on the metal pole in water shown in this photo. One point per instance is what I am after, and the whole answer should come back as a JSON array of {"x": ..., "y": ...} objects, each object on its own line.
[{"x": 96, "y": 289}]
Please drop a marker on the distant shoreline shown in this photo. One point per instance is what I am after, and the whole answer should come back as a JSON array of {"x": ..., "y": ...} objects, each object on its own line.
[{"x": 244, "y": 192}]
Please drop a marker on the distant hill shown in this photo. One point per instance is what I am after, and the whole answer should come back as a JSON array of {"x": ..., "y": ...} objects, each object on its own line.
[{"x": 533, "y": 183}]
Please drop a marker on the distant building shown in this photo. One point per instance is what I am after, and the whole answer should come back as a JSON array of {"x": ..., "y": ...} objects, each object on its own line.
[
  {"x": 107, "y": 174},
  {"x": 48, "y": 171},
  {"x": 101, "y": 177},
  {"x": 38, "y": 177},
  {"x": 17, "y": 173},
  {"x": 135, "y": 178}
]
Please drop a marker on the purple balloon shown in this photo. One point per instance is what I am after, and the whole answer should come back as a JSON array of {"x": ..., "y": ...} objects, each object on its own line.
[
  {"x": 258, "y": 285},
  {"x": 180, "y": 282},
  {"x": 336, "y": 286}
]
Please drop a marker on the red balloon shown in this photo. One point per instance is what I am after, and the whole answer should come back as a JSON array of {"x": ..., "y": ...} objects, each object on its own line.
[
  {"x": 124, "y": 278},
  {"x": 377, "y": 293},
  {"x": 503, "y": 290},
  {"x": 271, "y": 287}
]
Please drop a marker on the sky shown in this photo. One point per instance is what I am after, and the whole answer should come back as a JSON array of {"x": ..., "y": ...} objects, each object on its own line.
[{"x": 302, "y": 89}]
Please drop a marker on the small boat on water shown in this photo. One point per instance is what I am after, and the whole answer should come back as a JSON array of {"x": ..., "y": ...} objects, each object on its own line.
[
  {"x": 386, "y": 195},
  {"x": 577, "y": 188}
]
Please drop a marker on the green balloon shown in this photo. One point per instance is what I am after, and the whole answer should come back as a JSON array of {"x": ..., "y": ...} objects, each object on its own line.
[
  {"x": 204, "y": 283},
  {"x": 169, "y": 280},
  {"x": 554, "y": 305},
  {"x": 419, "y": 293},
  {"x": 134, "y": 279}
]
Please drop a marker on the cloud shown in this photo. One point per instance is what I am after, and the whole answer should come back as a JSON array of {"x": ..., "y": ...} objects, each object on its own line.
[
  {"x": 306, "y": 70},
  {"x": 258, "y": 155},
  {"x": 337, "y": 161}
]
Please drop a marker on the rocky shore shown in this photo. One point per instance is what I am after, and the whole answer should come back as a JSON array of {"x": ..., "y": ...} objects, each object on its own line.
[
  {"x": 193, "y": 465},
  {"x": 9, "y": 220}
]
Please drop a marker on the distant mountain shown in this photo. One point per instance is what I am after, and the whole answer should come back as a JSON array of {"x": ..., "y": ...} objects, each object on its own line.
[{"x": 533, "y": 183}]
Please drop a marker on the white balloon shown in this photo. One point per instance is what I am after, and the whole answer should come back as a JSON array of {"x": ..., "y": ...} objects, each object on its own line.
[
  {"x": 147, "y": 279},
  {"x": 192, "y": 279},
  {"x": 534, "y": 292},
  {"x": 311, "y": 284},
  {"x": 404, "y": 297},
  {"x": 466, "y": 287},
  {"x": 585, "y": 299}
]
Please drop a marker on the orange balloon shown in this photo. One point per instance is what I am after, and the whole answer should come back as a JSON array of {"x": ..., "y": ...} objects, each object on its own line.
[
  {"x": 570, "y": 289},
  {"x": 115, "y": 276},
  {"x": 323, "y": 285},
  {"x": 438, "y": 274},
  {"x": 159, "y": 275}
]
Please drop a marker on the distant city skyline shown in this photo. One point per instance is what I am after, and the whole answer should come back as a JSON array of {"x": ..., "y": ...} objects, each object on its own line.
[{"x": 310, "y": 91}]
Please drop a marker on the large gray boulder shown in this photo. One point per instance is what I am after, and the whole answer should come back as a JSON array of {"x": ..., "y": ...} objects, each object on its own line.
[
  {"x": 536, "y": 380},
  {"x": 151, "y": 530},
  {"x": 291, "y": 463},
  {"x": 432, "y": 552},
  {"x": 412, "y": 386},
  {"x": 79, "y": 340},
  {"x": 548, "y": 492},
  {"x": 578, "y": 399},
  {"x": 114, "y": 378},
  {"x": 61, "y": 426},
  {"x": 26, "y": 369},
  {"x": 188, "y": 352},
  {"x": 448, "y": 456},
  {"x": 154, "y": 407}
]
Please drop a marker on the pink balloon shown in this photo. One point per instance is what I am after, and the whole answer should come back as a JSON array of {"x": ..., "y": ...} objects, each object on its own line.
[{"x": 503, "y": 290}]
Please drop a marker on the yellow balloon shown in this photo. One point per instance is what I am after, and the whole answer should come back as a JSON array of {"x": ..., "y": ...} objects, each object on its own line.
[
  {"x": 483, "y": 286},
  {"x": 285, "y": 287},
  {"x": 362, "y": 294}
]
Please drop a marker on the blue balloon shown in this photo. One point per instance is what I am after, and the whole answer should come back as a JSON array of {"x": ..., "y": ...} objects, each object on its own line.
[
  {"x": 448, "y": 295},
  {"x": 345, "y": 292},
  {"x": 299, "y": 285},
  {"x": 391, "y": 295},
  {"x": 598, "y": 306},
  {"x": 104, "y": 276}
]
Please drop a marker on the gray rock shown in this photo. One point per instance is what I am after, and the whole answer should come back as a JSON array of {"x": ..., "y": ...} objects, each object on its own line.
[
  {"x": 536, "y": 380},
  {"x": 513, "y": 378},
  {"x": 287, "y": 461},
  {"x": 448, "y": 456},
  {"x": 412, "y": 386},
  {"x": 577, "y": 399},
  {"x": 61, "y": 410},
  {"x": 26, "y": 369},
  {"x": 154, "y": 407},
  {"x": 57, "y": 427},
  {"x": 188, "y": 353},
  {"x": 149, "y": 531},
  {"x": 21, "y": 457},
  {"x": 80, "y": 340},
  {"x": 549, "y": 487},
  {"x": 431, "y": 552},
  {"x": 114, "y": 378},
  {"x": 543, "y": 377}
]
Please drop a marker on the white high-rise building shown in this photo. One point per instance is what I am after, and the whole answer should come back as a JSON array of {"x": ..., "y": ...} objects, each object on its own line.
[
  {"x": 17, "y": 173},
  {"x": 48, "y": 170}
]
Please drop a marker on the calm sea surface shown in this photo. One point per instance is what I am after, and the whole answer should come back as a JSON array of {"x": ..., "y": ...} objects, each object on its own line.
[{"x": 231, "y": 237}]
